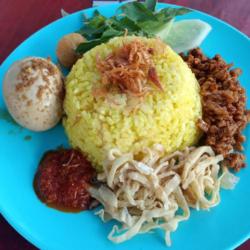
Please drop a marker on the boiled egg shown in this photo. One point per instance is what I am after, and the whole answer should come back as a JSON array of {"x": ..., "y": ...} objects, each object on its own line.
[{"x": 33, "y": 92}]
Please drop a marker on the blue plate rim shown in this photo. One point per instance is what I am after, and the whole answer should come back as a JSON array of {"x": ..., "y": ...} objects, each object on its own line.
[{"x": 24, "y": 232}]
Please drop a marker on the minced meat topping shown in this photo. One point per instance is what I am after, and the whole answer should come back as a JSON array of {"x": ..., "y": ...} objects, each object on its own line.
[{"x": 224, "y": 106}]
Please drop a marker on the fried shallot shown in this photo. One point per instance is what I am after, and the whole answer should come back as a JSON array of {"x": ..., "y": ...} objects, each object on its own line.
[{"x": 128, "y": 69}]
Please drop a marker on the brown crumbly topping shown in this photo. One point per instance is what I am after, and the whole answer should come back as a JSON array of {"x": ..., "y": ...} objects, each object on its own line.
[
  {"x": 40, "y": 91},
  {"x": 36, "y": 64},
  {"x": 223, "y": 104},
  {"x": 25, "y": 79},
  {"x": 128, "y": 69},
  {"x": 24, "y": 97},
  {"x": 39, "y": 64},
  {"x": 236, "y": 160},
  {"x": 29, "y": 103}
]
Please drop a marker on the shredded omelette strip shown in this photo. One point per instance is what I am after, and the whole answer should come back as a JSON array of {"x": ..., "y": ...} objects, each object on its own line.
[
  {"x": 157, "y": 191},
  {"x": 128, "y": 69}
]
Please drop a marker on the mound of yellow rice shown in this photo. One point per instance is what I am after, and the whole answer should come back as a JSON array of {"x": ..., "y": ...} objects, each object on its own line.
[{"x": 95, "y": 125}]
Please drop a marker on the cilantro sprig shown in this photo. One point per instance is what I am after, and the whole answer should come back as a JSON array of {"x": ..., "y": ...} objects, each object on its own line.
[{"x": 137, "y": 18}]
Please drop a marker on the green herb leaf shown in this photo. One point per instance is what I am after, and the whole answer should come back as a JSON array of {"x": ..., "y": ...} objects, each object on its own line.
[
  {"x": 167, "y": 14},
  {"x": 150, "y": 4},
  {"x": 149, "y": 26},
  {"x": 124, "y": 23},
  {"x": 137, "y": 12},
  {"x": 138, "y": 18},
  {"x": 84, "y": 47},
  {"x": 97, "y": 20},
  {"x": 90, "y": 33},
  {"x": 109, "y": 33},
  {"x": 94, "y": 26}
]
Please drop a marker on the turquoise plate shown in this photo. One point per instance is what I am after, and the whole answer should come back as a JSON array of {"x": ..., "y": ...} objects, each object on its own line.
[{"x": 223, "y": 227}]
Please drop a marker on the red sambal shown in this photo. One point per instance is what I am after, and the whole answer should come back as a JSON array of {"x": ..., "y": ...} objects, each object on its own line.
[{"x": 62, "y": 180}]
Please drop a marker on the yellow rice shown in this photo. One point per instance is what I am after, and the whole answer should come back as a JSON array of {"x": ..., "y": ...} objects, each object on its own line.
[{"x": 169, "y": 118}]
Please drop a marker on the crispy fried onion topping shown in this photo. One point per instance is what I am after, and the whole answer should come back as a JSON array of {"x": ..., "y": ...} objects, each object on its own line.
[
  {"x": 128, "y": 69},
  {"x": 157, "y": 190}
]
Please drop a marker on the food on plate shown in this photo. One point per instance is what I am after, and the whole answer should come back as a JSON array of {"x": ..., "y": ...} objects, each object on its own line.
[
  {"x": 62, "y": 180},
  {"x": 224, "y": 106},
  {"x": 33, "y": 91},
  {"x": 65, "y": 51},
  {"x": 163, "y": 130},
  {"x": 156, "y": 190},
  {"x": 142, "y": 19},
  {"x": 129, "y": 69},
  {"x": 135, "y": 112}
]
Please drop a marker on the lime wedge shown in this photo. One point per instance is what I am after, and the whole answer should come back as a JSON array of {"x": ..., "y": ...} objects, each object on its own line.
[{"x": 187, "y": 34}]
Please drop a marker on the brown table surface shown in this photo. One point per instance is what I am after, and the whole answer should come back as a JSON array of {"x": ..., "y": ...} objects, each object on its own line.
[{"x": 19, "y": 19}]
